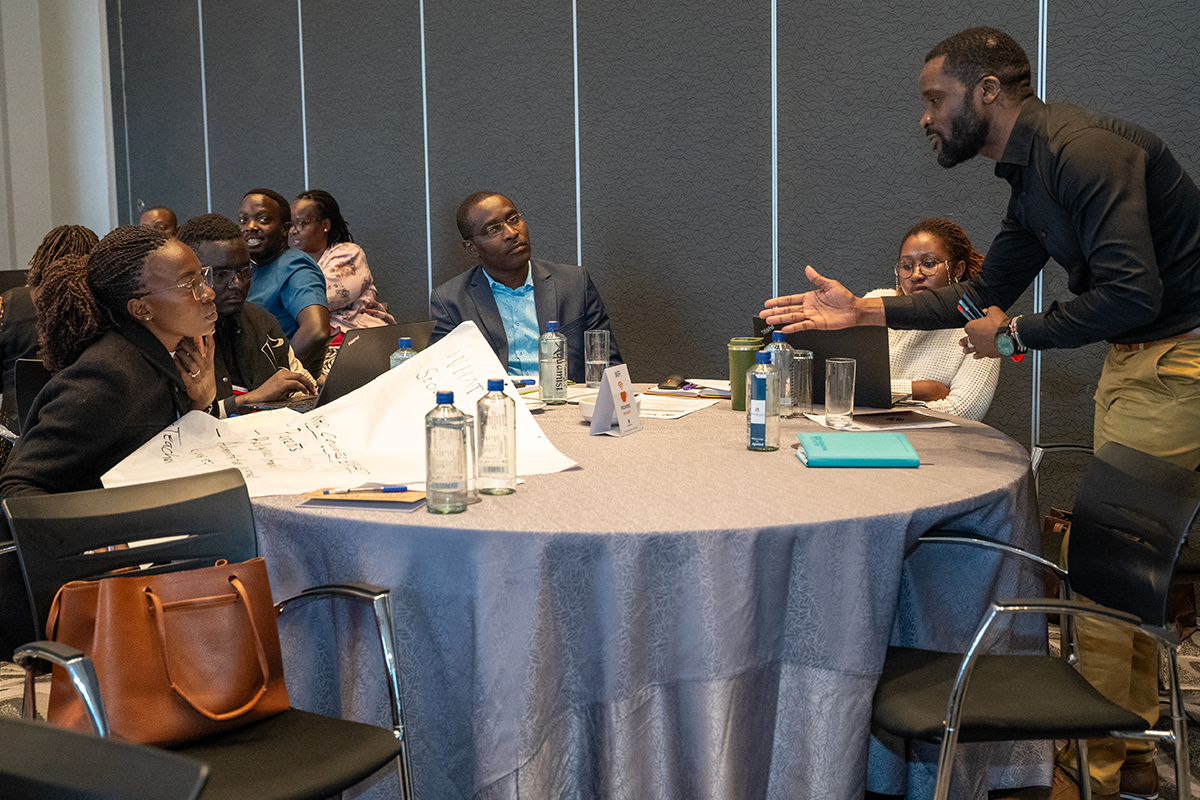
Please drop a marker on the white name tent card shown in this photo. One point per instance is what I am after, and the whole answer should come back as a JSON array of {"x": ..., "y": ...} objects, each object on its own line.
[
  {"x": 615, "y": 392},
  {"x": 373, "y": 434}
]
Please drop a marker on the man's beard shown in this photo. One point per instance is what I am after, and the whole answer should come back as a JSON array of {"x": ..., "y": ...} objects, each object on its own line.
[{"x": 968, "y": 134}]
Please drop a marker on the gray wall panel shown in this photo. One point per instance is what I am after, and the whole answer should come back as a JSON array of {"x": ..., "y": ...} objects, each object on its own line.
[
  {"x": 676, "y": 177},
  {"x": 501, "y": 118},
  {"x": 252, "y": 63},
  {"x": 165, "y": 112},
  {"x": 365, "y": 139}
]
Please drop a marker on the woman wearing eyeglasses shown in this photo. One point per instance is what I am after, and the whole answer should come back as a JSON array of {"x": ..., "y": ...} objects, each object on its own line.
[
  {"x": 930, "y": 364},
  {"x": 318, "y": 229},
  {"x": 128, "y": 335}
]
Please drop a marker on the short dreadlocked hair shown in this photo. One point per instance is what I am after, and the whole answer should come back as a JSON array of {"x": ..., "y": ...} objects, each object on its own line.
[
  {"x": 81, "y": 299},
  {"x": 65, "y": 240},
  {"x": 978, "y": 52},
  {"x": 328, "y": 208},
  {"x": 285, "y": 210},
  {"x": 208, "y": 228},
  {"x": 953, "y": 238}
]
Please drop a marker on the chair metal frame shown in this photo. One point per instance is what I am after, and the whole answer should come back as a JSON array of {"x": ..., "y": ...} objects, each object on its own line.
[
  {"x": 1068, "y": 608},
  {"x": 82, "y": 673}
]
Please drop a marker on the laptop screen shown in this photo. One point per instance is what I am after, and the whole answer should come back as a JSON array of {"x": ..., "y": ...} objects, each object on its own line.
[{"x": 867, "y": 345}]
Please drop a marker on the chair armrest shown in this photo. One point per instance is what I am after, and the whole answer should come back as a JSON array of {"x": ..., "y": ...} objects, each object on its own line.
[
  {"x": 7, "y": 434},
  {"x": 1167, "y": 636},
  {"x": 79, "y": 669},
  {"x": 378, "y": 597},
  {"x": 352, "y": 590},
  {"x": 973, "y": 540},
  {"x": 8, "y": 547}
]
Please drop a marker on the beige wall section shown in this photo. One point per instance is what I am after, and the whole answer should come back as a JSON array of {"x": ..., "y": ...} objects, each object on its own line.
[{"x": 56, "y": 159}]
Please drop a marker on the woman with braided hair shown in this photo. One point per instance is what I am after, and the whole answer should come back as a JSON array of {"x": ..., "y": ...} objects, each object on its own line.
[
  {"x": 128, "y": 336},
  {"x": 930, "y": 365},
  {"x": 317, "y": 228},
  {"x": 18, "y": 310}
]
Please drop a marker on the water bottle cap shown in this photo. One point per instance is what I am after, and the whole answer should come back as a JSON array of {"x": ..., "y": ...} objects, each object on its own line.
[
  {"x": 495, "y": 385},
  {"x": 445, "y": 398},
  {"x": 762, "y": 357},
  {"x": 405, "y": 341},
  {"x": 552, "y": 326},
  {"x": 776, "y": 336}
]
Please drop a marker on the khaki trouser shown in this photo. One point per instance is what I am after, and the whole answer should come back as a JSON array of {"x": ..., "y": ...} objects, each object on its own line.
[{"x": 1148, "y": 400}]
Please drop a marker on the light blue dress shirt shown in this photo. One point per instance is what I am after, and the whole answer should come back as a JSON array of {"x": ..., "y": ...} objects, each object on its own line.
[{"x": 519, "y": 315}]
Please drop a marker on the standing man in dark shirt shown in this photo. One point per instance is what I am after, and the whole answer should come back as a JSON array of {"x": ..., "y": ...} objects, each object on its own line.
[
  {"x": 252, "y": 359},
  {"x": 1108, "y": 201}
]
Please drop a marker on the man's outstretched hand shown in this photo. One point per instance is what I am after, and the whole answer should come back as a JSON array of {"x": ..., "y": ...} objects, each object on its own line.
[{"x": 829, "y": 306}]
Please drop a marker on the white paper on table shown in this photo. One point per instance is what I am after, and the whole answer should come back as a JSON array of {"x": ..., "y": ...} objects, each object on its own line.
[
  {"x": 853, "y": 426},
  {"x": 375, "y": 433},
  {"x": 664, "y": 407}
]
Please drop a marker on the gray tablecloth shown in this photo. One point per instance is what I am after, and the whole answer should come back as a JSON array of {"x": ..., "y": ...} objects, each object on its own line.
[{"x": 678, "y": 618}]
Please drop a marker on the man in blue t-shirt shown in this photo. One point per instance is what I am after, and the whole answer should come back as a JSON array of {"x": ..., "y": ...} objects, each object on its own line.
[{"x": 287, "y": 283}]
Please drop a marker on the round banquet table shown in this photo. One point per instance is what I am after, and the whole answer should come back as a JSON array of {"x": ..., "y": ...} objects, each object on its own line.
[{"x": 677, "y": 617}]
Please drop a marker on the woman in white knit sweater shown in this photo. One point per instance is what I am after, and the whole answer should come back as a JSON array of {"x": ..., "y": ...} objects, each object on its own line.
[{"x": 930, "y": 364}]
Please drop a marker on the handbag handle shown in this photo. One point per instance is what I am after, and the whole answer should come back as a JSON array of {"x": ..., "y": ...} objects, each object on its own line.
[{"x": 258, "y": 645}]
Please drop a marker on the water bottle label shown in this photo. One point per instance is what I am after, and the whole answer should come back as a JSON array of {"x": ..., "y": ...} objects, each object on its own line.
[
  {"x": 757, "y": 407},
  {"x": 490, "y": 470},
  {"x": 447, "y": 486}
]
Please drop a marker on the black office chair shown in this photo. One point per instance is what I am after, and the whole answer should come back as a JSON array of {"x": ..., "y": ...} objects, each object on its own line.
[
  {"x": 296, "y": 754},
  {"x": 42, "y": 762},
  {"x": 1131, "y": 513}
]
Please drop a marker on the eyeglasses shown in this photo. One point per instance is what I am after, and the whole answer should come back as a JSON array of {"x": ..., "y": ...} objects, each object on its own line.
[
  {"x": 496, "y": 228},
  {"x": 195, "y": 285},
  {"x": 224, "y": 277},
  {"x": 299, "y": 227},
  {"x": 905, "y": 268}
]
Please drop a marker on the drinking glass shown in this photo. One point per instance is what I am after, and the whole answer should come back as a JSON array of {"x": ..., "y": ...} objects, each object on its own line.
[
  {"x": 839, "y": 392},
  {"x": 595, "y": 354}
]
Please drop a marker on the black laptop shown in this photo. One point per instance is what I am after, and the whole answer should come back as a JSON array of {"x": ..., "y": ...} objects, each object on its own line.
[
  {"x": 867, "y": 345},
  {"x": 365, "y": 354}
]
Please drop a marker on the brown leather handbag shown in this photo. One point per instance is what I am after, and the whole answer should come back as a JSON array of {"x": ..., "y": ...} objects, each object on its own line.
[{"x": 178, "y": 655}]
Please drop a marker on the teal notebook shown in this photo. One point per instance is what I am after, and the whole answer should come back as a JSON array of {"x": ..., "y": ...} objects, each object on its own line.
[{"x": 855, "y": 449}]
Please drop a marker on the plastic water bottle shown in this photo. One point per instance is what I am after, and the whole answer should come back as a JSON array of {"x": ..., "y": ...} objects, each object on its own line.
[
  {"x": 762, "y": 404},
  {"x": 496, "y": 454},
  {"x": 552, "y": 365},
  {"x": 445, "y": 457},
  {"x": 403, "y": 353},
  {"x": 783, "y": 356}
]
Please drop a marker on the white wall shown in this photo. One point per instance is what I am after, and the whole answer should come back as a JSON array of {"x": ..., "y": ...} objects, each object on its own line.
[{"x": 56, "y": 160}]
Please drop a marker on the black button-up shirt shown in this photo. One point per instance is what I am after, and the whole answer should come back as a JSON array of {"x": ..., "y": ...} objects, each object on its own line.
[{"x": 1109, "y": 202}]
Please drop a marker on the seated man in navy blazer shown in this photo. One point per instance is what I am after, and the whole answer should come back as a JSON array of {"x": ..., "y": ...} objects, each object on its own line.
[{"x": 511, "y": 297}]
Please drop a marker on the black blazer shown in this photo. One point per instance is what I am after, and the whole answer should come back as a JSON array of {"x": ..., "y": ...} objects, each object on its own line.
[
  {"x": 121, "y": 392},
  {"x": 560, "y": 292}
]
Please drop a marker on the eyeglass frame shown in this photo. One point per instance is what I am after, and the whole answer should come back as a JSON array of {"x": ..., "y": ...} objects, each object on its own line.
[
  {"x": 496, "y": 228},
  {"x": 193, "y": 285},
  {"x": 299, "y": 228},
  {"x": 909, "y": 269},
  {"x": 243, "y": 274}
]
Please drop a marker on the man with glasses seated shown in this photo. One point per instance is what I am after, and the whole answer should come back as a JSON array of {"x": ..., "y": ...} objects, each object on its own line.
[
  {"x": 287, "y": 282},
  {"x": 253, "y": 360},
  {"x": 511, "y": 297}
]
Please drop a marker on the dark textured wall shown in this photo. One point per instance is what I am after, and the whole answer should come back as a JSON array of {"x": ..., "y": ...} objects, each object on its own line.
[{"x": 674, "y": 137}]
